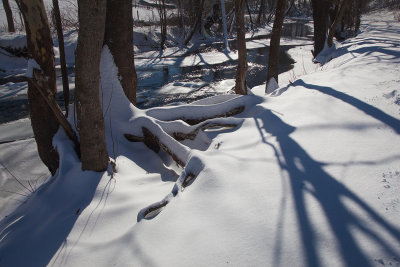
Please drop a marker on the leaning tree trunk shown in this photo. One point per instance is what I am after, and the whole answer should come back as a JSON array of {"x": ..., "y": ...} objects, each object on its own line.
[
  {"x": 241, "y": 87},
  {"x": 119, "y": 38},
  {"x": 273, "y": 60},
  {"x": 64, "y": 73},
  {"x": 40, "y": 47},
  {"x": 10, "y": 20},
  {"x": 92, "y": 16},
  {"x": 320, "y": 16}
]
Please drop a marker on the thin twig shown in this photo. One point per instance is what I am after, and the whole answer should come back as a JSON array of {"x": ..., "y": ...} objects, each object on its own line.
[
  {"x": 6, "y": 191},
  {"x": 15, "y": 177}
]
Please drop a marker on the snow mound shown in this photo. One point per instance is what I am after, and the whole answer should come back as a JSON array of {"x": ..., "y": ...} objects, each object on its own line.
[{"x": 326, "y": 54}]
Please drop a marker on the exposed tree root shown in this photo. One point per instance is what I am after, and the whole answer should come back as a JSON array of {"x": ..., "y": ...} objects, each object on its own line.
[
  {"x": 188, "y": 179},
  {"x": 194, "y": 114},
  {"x": 162, "y": 132},
  {"x": 154, "y": 209},
  {"x": 230, "y": 113},
  {"x": 153, "y": 142},
  {"x": 180, "y": 136}
]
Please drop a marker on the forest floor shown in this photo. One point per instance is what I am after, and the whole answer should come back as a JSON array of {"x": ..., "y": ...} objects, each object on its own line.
[{"x": 309, "y": 176}]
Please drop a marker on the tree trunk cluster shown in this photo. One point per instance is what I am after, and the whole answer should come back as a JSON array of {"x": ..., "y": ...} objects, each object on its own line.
[{"x": 340, "y": 18}]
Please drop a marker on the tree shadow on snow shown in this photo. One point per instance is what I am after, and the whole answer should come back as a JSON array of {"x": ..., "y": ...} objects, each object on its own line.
[
  {"x": 307, "y": 177},
  {"x": 36, "y": 230},
  {"x": 362, "y": 106}
]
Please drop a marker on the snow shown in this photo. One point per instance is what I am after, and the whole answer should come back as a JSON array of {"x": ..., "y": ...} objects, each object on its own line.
[
  {"x": 22, "y": 160},
  {"x": 309, "y": 176},
  {"x": 32, "y": 65},
  {"x": 272, "y": 85},
  {"x": 13, "y": 40},
  {"x": 15, "y": 130},
  {"x": 326, "y": 54}
]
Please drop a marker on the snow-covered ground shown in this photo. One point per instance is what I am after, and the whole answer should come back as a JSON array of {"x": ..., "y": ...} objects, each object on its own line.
[{"x": 310, "y": 176}]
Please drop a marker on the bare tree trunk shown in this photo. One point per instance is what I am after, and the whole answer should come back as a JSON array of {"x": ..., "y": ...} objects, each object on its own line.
[
  {"x": 119, "y": 38},
  {"x": 304, "y": 4},
  {"x": 357, "y": 13},
  {"x": 20, "y": 17},
  {"x": 10, "y": 21},
  {"x": 163, "y": 22},
  {"x": 64, "y": 72},
  {"x": 273, "y": 60},
  {"x": 40, "y": 46},
  {"x": 198, "y": 21},
  {"x": 320, "y": 16},
  {"x": 241, "y": 87},
  {"x": 335, "y": 23},
  {"x": 249, "y": 12},
  {"x": 92, "y": 16},
  {"x": 182, "y": 17},
  {"x": 224, "y": 25},
  {"x": 261, "y": 13},
  {"x": 292, "y": 5}
]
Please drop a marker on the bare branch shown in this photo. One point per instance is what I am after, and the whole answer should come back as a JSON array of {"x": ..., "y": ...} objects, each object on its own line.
[{"x": 40, "y": 85}]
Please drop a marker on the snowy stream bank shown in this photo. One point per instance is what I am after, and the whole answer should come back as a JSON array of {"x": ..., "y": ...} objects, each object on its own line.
[{"x": 309, "y": 177}]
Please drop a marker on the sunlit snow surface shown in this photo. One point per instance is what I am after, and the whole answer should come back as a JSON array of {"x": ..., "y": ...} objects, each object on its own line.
[{"x": 310, "y": 177}]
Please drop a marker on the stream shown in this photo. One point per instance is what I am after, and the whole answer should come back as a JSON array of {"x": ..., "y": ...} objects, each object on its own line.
[{"x": 199, "y": 80}]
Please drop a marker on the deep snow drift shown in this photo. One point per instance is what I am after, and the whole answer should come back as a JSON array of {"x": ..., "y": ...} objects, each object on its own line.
[{"x": 309, "y": 176}]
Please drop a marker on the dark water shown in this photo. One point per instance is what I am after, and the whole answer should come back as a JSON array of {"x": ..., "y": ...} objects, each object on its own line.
[
  {"x": 296, "y": 29},
  {"x": 205, "y": 75},
  {"x": 201, "y": 77},
  {"x": 150, "y": 80}
]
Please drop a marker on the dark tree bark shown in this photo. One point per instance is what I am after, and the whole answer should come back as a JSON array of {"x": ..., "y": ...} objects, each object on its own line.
[
  {"x": 39, "y": 81},
  {"x": 119, "y": 38},
  {"x": 320, "y": 16},
  {"x": 40, "y": 47},
  {"x": 163, "y": 22},
  {"x": 249, "y": 12},
  {"x": 273, "y": 60},
  {"x": 64, "y": 73},
  {"x": 291, "y": 6},
  {"x": 261, "y": 12},
  {"x": 182, "y": 18},
  {"x": 224, "y": 25},
  {"x": 357, "y": 13},
  {"x": 338, "y": 17},
  {"x": 241, "y": 87},
  {"x": 92, "y": 16},
  {"x": 10, "y": 20}
]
